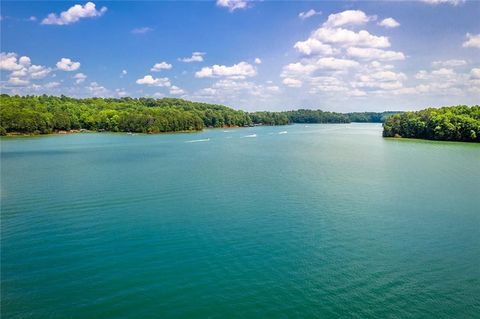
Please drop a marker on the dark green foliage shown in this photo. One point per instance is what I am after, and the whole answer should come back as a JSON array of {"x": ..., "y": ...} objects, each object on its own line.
[
  {"x": 269, "y": 118},
  {"x": 455, "y": 123},
  {"x": 316, "y": 116},
  {"x": 366, "y": 117},
  {"x": 46, "y": 114}
]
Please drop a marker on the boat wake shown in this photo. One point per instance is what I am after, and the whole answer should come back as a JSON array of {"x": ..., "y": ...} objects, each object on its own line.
[
  {"x": 251, "y": 135},
  {"x": 200, "y": 140}
]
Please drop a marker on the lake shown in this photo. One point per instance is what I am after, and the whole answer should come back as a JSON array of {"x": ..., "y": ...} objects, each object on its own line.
[{"x": 299, "y": 221}]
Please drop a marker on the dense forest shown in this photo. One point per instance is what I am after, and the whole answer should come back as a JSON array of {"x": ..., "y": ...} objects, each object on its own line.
[
  {"x": 46, "y": 114},
  {"x": 455, "y": 123}
]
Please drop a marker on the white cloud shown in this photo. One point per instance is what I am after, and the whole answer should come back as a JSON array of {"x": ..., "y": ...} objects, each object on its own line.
[
  {"x": 375, "y": 54},
  {"x": 124, "y": 72},
  {"x": 473, "y": 41},
  {"x": 121, "y": 92},
  {"x": 452, "y": 2},
  {"x": 38, "y": 71},
  {"x": 443, "y": 72},
  {"x": 258, "y": 61},
  {"x": 8, "y": 62},
  {"x": 17, "y": 81},
  {"x": 348, "y": 17},
  {"x": 51, "y": 85},
  {"x": 196, "y": 57},
  {"x": 389, "y": 23},
  {"x": 313, "y": 46},
  {"x": 335, "y": 64},
  {"x": 141, "y": 30},
  {"x": 74, "y": 14},
  {"x": 292, "y": 82},
  {"x": 241, "y": 70},
  {"x": 475, "y": 73},
  {"x": 233, "y": 5},
  {"x": 308, "y": 14},
  {"x": 175, "y": 90},
  {"x": 97, "y": 90},
  {"x": 21, "y": 70},
  {"x": 151, "y": 81},
  {"x": 383, "y": 76},
  {"x": 66, "y": 64},
  {"x": 449, "y": 63},
  {"x": 79, "y": 78},
  {"x": 161, "y": 66},
  {"x": 345, "y": 37}
]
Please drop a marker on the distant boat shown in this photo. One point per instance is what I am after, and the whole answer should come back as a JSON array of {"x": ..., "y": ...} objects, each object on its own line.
[
  {"x": 283, "y": 132},
  {"x": 252, "y": 135}
]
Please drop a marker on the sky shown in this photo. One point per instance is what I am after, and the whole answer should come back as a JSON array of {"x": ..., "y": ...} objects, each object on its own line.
[{"x": 253, "y": 55}]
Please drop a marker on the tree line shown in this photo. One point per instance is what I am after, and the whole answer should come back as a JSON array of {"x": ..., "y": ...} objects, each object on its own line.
[
  {"x": 46, "y": 114},
  {"x": 454, "y": 123}
]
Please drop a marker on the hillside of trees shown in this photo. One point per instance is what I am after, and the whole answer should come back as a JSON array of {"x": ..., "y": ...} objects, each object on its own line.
[
  {"x": 454, "y": 123},
  {"x": 46, "y": 114}
]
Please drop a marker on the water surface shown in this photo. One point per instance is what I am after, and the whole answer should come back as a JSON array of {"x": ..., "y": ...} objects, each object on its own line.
[{"x": 297, "y": 221}]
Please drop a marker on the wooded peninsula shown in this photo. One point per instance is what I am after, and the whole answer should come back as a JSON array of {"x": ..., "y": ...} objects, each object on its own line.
[{"x": 49, "y": 114}]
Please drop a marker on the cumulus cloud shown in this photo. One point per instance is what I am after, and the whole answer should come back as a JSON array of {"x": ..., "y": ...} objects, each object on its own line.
[
  {"x": 240, "y": 70},
  {"x": 292, "y": 82},
  {"x": 233, "y": 5},
  {"x": 141, "y": 30},
  {"x": 97, "y": 90},
  {"x": 8, "y": 61},
  {"x": 151, "y": 81},
  {"x": 345, "y": 37},
  {"x": 313, "y": 46},
  {"x": 258, "y": 61},
  {"x": 389, "y": 23},
  {"x": 475, "y": 73},
  {"x": 175, "y": 90},
  {"x": 79, "y": 78},
  {"x": 74, "y": 14},
  {"x": 196, "y": 57},
  {"x": 21, "y": 69},
  {"x": 473, "y": 41},
  {"x": 157, "y": 67},
  {"x": 65, "y": 64},
  {"x": 375, "y": 54},
  {"x": 348, "y": 17},
  {"x": 308, "y": 14},
  {"x": 17, "y": 81}
]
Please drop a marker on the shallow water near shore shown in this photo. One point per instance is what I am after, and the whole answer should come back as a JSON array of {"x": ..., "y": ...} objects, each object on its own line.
[{"x": 298, "y": 221}]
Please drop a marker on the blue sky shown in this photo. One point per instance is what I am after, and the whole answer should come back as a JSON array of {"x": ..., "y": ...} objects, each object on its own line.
[{"x": 333, "y": 55}]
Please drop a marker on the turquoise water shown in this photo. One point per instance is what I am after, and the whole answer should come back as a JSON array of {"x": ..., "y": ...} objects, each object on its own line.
[{"x": 323, "y": 221}]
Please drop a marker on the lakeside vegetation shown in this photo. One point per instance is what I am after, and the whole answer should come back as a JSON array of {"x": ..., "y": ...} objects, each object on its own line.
[
  {"x": 47, "y": 114},
  {"x": 454, "y": 123}
]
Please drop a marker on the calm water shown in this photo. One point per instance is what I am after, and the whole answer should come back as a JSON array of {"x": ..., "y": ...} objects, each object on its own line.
[{"x": 324, "y": 221}]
